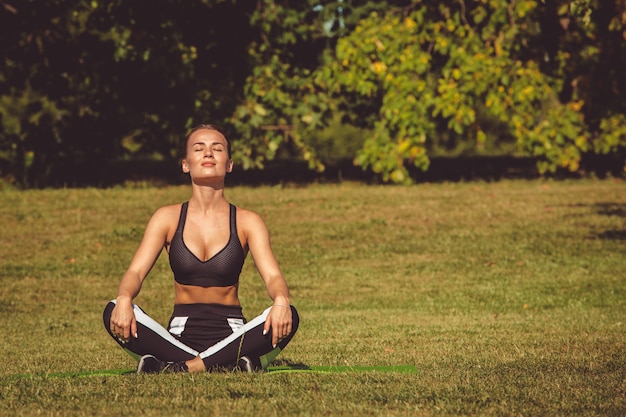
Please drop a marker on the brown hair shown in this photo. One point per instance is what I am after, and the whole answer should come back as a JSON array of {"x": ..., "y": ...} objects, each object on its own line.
[{"x": 203, "y": 127}]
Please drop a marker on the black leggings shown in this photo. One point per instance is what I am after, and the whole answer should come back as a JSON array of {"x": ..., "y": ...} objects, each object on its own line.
[{"x": 220, "y": 345}]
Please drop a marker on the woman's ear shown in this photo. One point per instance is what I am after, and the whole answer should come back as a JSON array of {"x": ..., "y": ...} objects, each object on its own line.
[
  {"x": 185, "y": 166},
  {"x": 229, "y": 166}
]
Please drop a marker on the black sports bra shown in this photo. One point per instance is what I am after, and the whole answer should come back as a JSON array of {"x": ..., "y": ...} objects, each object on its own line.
[{"x": 221, "y": 270}]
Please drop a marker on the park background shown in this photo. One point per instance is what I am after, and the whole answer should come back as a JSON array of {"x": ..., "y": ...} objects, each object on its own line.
[
  {"x": 499, "y": 277},
  {"x": 95, "y": 93}
]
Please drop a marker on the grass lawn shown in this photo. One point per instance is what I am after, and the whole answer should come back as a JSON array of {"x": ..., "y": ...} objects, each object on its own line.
[{"x": 509, "y": 298}]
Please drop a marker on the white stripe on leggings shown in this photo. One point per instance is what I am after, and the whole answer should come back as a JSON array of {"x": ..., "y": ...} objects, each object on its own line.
[
  {"x": 243, "y": 329},
  {"x": 153, "y": 325}
]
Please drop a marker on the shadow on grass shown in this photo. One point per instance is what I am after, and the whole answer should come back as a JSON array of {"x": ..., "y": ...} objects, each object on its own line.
[
  {"x": 605, "y": 209},
  {"x": 613, "y": 235},
  {"x": 611, "y": 209},
  {"x": 282, "y": 363}
]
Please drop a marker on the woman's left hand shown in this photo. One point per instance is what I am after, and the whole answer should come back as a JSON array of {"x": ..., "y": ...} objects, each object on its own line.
[{"x": 279, "y": 320}]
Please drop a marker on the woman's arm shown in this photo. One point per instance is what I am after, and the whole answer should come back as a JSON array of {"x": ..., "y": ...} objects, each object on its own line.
[
  {"x": 279, "y": 319},
  {"x": 123, "y": 323}
]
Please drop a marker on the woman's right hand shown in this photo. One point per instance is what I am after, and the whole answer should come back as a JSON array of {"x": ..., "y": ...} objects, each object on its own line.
[{"x": 123, "y": 323}]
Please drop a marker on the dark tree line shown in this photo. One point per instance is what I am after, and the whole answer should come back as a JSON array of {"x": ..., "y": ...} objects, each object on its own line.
[{"x": 87, "y": 83}]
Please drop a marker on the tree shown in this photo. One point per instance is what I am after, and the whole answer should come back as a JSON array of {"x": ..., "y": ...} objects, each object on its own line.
[
  {"x": 457, "y": 69},
  {"x": 586, "y": 48},
  {"x": 433, "y": 77},
  {"x": 84, "y": 82},
  {"x": 282, "y": 103}
]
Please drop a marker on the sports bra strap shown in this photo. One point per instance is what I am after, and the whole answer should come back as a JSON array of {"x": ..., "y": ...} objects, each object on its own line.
[
  {"x": 233, "y": 220},
  {"x": 183, "y": 217}
]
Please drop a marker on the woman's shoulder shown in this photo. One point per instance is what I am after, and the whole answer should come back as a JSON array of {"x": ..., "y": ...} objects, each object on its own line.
[
  {"x": 169, "y": 209},
  {"x": 247, "y": 217},
  {"x": 167, "y": 213}
]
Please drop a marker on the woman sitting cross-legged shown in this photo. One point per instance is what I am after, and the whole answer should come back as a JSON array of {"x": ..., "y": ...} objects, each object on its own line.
[{"x": 207, "y": 239}]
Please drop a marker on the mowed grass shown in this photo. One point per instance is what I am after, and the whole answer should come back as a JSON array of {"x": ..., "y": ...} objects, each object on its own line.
[{"x": 509, "y": 298}]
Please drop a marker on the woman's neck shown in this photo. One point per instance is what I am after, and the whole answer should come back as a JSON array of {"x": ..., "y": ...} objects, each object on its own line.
[{"x": 207, "y": 198}]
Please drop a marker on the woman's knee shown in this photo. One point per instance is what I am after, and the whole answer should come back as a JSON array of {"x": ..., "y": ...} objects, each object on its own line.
[
  {"x": 295, "y": 319},
  {"x": 106, "y": 316}
]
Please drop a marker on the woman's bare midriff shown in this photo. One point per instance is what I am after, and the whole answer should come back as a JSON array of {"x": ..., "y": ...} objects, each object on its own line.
[{"x": 191, "y": 294}]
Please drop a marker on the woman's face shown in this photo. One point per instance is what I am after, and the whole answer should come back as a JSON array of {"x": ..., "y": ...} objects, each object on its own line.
[{"x": 207, "y": 155}]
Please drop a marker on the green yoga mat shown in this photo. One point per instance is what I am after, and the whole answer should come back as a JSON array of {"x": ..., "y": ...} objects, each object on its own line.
[
  {"x": 269, "y": 371},
  {"x": 341, "y": 368}
]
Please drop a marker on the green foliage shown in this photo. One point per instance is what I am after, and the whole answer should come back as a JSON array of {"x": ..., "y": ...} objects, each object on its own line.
[
  {"x": 337, "y": 142},
  {"x": 22, "y": 114},
  {"x": 87, "y": 82},
  {"x": 612, "y": 138},
  {"x": 581, "y": 9},
  {"x": 273, "y": 112},
  {"x": 125, "y": 79},
  {"x": 435, "y": 67},
  {"x": 281, "y": 102}
]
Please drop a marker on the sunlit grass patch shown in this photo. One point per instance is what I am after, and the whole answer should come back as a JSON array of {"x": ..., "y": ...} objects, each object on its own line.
[{"x": 509, "y": 298}]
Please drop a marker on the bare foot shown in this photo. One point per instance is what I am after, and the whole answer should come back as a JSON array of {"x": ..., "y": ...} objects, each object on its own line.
[{"x": 195, "y": 365}]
